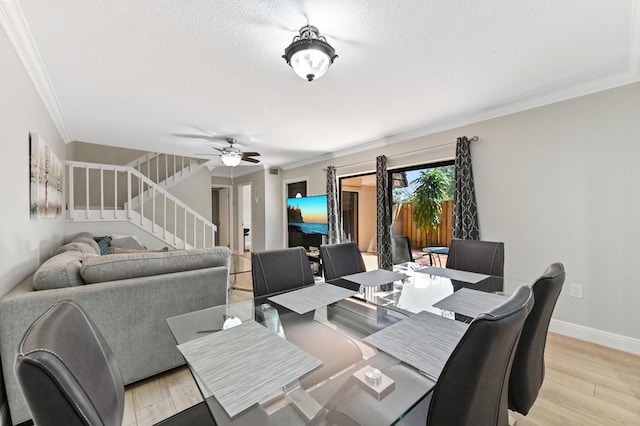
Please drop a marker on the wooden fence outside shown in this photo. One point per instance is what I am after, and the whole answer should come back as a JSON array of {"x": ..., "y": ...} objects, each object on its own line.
[{"x": 403, "y": 224}]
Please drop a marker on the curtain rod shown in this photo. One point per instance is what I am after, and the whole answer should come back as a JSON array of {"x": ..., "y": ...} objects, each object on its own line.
[{"x": 471, "y": 139}]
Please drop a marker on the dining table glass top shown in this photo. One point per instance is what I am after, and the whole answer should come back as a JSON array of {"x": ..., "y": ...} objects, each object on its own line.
[
  {"x": 424, "y": 286},
  {"x": 357, "y": 317}
]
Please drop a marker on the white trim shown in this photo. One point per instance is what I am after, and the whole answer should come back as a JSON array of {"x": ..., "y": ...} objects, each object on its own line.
[
  {"x": 15, "y": 26},
  {"x": 4, "y": 414},
  {"x": 604, "y": 338}
]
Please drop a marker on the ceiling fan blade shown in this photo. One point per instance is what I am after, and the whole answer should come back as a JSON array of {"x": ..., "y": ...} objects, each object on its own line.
[
  {"x": 250, "y": 160},
  {"x": 251, "y": 154}
]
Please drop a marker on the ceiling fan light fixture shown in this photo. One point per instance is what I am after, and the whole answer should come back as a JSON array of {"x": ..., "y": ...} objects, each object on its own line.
[
  {"x": 231, "y": 158},
  {"x": 309, "y": 54}
]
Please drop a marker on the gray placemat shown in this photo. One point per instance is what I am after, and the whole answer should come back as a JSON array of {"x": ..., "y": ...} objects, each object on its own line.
[
  {"x": 454, "y": 274},
  {"x": 470, "y": 302},
  {"x": 244, "y": 364},
  {"x": 313, "y": 297},
  {"x": 424, "y": 341},
  {"x": 375, "y": 278}
]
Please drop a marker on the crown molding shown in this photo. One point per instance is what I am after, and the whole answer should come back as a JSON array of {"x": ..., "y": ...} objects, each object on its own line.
[
  {"x": 551, "y": 96},
  {"x": 15, "y": 26}
]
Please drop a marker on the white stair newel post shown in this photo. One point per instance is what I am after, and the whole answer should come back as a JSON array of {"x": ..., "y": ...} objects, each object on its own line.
[
  {"x": 101, "y": 193},
  {"x": 72, "y": 206},
  {"x": 129, "y": 194},
  {"x": 115, "y": 193},
  {"x": 86, "y": 183}
]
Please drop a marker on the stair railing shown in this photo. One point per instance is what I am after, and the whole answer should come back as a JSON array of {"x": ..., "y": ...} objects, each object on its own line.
[
  {"x": 160, "y": 167},
  {"x": 104, "y": 192}
]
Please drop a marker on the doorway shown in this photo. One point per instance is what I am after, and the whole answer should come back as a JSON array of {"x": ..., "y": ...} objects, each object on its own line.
[
  {"x": 221, "y": 214},
  {"x": 244, "y": 217}
]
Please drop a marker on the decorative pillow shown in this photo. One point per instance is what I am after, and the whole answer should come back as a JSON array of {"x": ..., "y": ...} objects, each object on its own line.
[
  {"x": 61, "y": 270},
  {"x": 82, "y": 245},
  {"x": 128, "y": 243},
  {"x": 90, "y": 241},
  {"x": 82, "y": 235},
  {"x": 132, "y": 265},
  {"x": 103, "y": 244}
]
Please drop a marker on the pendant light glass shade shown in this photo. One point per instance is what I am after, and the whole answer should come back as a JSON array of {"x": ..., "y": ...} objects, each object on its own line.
[
  {"x": 309, "y": 54},
  {"x": 231, "y": 159}
]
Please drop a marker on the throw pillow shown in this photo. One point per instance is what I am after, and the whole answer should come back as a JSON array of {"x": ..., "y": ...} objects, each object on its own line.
[
  {"x": 83, "y": 246},
  {"x": 104, "y": 245}
]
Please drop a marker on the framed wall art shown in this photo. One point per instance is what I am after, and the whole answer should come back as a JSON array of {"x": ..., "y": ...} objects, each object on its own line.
[{"x": 45, "y": 170}]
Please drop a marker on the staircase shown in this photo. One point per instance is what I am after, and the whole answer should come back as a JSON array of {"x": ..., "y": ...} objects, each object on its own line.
[
  {"x": 101, "y": 192},
  {"x": 164, "y": 170}
]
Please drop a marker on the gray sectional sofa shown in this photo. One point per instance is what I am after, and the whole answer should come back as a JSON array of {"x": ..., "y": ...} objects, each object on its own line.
[{"x": 128, "y": 295}]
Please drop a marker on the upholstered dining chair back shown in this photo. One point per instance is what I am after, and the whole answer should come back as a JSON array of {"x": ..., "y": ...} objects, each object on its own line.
[
  {"x": 527, "y": 373},
  {"x": 482, "y": 257},
  {"x": 473, "y": 386},
  {"x": 70, "y": 377},
  {"x": 401, "y": 249},
  {"x": 275, "y": 271},
  {"x": 67, "y": 372},
  {"x": 339, "y": 260}
]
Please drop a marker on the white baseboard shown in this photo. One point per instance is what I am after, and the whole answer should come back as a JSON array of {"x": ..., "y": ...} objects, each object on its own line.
[
  {"x": 4, "y": 414},
  {"x": 604, "y": 338}
]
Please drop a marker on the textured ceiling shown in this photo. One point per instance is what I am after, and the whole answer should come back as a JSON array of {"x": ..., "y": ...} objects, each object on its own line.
[{"x": 154, "y": 75}]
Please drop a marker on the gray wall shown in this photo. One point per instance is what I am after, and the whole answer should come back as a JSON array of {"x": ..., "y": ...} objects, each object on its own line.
[
  {"x": 25, "y": 242},
  {"x": 555, "y": 183}
]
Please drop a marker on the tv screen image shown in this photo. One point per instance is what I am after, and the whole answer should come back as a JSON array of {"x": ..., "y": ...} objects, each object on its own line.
[{"x": 308, "y": 215}]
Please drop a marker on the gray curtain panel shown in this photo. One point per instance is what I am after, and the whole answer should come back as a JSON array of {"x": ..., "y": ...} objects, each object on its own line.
[
  {"x": 333, "y": 210},
  {"x": 465, "y": 210},
  {"x": 383, "y": 213}
]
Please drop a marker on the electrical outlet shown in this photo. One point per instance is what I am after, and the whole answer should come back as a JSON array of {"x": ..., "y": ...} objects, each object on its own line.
[{"x": 576, "y": 291}]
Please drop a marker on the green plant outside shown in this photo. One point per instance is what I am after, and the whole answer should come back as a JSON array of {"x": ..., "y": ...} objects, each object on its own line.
[{"x": 432, "y": 187}]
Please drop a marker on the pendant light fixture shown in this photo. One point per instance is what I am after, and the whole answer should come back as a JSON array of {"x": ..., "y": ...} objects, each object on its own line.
[
  {"x": 231, "y": 158},
  {"x": 309, "y": 54}
]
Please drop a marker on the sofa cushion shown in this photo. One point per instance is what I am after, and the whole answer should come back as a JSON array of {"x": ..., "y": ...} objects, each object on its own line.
[
  {"x": 118, "y": 250},
  {"x": 83, "y": 245},
  {"x": 61, "y": 270},
  {"x": 132, "y": 265}
]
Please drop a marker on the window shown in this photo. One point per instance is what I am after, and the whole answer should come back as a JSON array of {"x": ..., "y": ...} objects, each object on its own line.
[{"x": 405, "y": 182}]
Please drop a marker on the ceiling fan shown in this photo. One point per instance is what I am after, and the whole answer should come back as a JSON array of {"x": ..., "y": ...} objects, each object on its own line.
[{"x": 231, "y": 156}]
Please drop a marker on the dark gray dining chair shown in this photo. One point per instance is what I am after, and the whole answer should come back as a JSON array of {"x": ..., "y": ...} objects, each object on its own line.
[
  {"x": 473, "y": 386},
  {"x": 527, "y": 373},
  {"x": 276, "y": 271},
  {"x": 482, "y": 257},
  {"x": 339, "y": 260},
  {"x": 401, "y": 250},
  {"x": 69, "y": 376}
]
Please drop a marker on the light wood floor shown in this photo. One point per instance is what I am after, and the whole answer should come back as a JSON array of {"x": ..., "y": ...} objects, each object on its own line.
[{"x": 585, "y": 384}]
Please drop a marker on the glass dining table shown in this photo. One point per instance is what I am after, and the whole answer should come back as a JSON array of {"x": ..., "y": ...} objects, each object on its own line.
[{"x": 233, "y": 366}]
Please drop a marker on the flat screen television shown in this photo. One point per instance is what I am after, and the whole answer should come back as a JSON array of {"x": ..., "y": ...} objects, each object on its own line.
[{"x": 308, "y": 215}]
